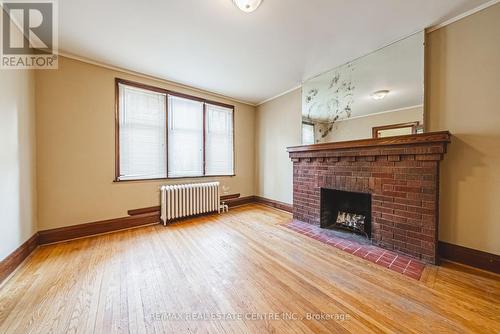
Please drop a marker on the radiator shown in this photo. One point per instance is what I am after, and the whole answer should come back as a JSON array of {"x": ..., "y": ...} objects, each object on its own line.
[{"x": 183, "y": 200}]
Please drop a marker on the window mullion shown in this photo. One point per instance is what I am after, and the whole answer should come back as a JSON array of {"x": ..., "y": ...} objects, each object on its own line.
[
  {"x": 204, "y": 138},
  {"x": 166, "y": 134}
]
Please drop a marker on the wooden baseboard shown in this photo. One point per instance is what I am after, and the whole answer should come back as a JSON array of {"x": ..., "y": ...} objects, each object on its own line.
[
  {"x": 275, "y": 204},
  {"x": 231, "y": 200},
  {"x": 104, "y": 226},
  {"x": 137, "y": 217},
  {"x": 141, "y": 211},
  {"x": 11, "y": 262},
  {"x": 229, "y": 197},
  {"x": 240, "y": 201},
  {"x": 470, "y": 257}
]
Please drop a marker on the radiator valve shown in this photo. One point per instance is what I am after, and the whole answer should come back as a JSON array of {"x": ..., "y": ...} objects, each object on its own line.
[{"x": 223, "y": 207}]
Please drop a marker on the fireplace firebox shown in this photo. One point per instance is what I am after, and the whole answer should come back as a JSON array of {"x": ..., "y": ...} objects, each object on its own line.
[{"x": 346, "y": 210}]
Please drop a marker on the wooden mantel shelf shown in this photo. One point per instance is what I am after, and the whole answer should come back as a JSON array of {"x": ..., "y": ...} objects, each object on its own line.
[{"x": 418, "y": 139}]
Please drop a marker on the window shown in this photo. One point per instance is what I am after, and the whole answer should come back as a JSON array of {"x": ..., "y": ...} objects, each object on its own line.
[
  {"x": 307, "y": 133},
  {"x": 185, "y": 137},
  {"x": 162, "y": 134},
  {"x": 219, "y": 140},
  {"x": 142, "y": 133}
]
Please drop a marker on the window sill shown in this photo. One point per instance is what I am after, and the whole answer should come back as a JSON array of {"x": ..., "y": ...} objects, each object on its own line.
[{"x": 171, "y": 178}]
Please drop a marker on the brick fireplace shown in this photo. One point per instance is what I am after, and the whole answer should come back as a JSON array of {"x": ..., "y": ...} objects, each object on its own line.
[{"x": 400, "y": 173}]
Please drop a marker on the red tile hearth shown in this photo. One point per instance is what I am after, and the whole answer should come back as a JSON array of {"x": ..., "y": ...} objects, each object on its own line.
[{"x": 385, "y": 258}]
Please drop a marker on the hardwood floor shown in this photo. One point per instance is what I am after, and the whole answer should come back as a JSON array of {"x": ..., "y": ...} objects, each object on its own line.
[{"x": 240, "y": 264}]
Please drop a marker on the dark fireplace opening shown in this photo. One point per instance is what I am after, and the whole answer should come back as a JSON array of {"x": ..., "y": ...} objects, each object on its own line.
[{"x": 346, "y": 210}]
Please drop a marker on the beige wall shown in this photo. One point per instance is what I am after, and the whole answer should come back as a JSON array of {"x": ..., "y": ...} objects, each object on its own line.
[
  {"x": 17, "y": 159},
  {"x": 464, "y": 97},
  {"x": 361, "y": 127},
  {"x": 463, "y": 85},
  {"x": 76, "y": 152},
  {"x": 278, "y": 126}
]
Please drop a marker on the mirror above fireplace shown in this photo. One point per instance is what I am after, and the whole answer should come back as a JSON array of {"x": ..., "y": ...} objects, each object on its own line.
[{"x": 372, "y": 96}]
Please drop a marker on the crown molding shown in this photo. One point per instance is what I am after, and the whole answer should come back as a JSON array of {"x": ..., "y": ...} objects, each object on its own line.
[
  {"x": 64, "y": 54},
  {"x": 463, "y": 15},
  {"x": 279, "y": 95}
]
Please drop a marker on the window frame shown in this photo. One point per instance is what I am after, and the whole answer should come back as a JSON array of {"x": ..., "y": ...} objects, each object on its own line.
[
  {"x": 412, "y": 125},
  {"x": 302, "y": 132},
  {"x": 167, "y": 92}
]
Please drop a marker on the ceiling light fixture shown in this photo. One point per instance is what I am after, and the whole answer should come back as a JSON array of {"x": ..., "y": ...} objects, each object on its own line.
[
  {"x": 380, "y": 94},
  {"x": 247, "y": 6}
]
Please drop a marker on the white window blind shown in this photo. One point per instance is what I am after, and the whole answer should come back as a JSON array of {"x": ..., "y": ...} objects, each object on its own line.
[
  {"x": 185, "y": 137},
  {"x": 218, "y": 140},
  {"x": 307, "y": 134},
  {"x": 142, "y": 133},
  {"x": 194, "y": 138}
]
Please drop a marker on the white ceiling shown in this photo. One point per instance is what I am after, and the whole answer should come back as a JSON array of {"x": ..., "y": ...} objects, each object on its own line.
[{"x": 212, "y": 45}]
